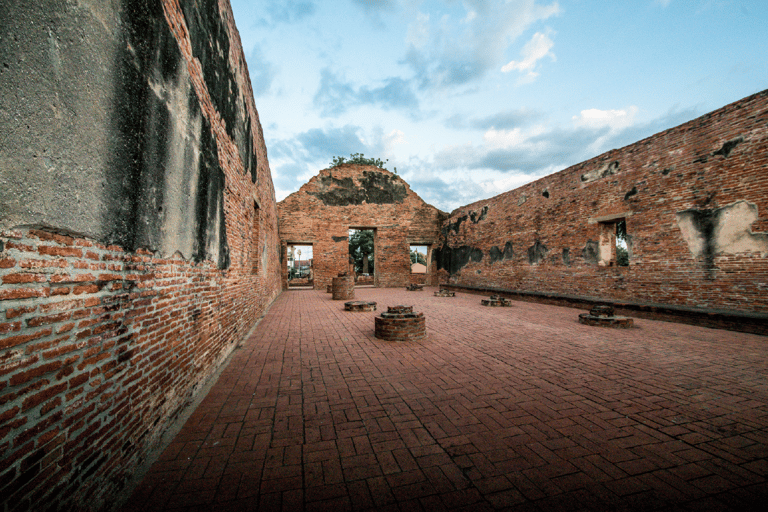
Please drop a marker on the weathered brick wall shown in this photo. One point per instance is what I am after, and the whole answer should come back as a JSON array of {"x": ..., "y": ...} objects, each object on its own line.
[
  {"x": 110, "y": 324},
  {"x": 353, "y": 196},
  {"x": 695, "y": 202}
]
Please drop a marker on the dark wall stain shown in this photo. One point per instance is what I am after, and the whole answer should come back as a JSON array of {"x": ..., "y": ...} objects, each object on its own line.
[
  {"x": 210, "y": 203},
  {"x": 475, "y": 218},
  {"x": 630, "y": 193},
  {"x": 728, "y": 147},
  {"x": 497, "y": 254},
  {"x": 454, "y": 226},
  {"x": 210, "y": 45},
  {"x": 375, "y": 188},
  {"x": 339, "y": 238},
  {"x": 591, "y": 252},
  {"x": 453, "y": 259},
  {"x": 567, "y": 257},
  {"x": 537, "y": 252},
  {"x": 705, "y": 220},
  {"x": 135, "y": 186}
]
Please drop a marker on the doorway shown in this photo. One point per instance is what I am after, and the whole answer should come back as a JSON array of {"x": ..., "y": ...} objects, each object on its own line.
[
  {"x": 362, "y": 255},
  {"x": 300, "y": 268}
]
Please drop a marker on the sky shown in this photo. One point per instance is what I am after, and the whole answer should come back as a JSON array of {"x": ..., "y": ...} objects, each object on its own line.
[{"x": 467, "y": 99}]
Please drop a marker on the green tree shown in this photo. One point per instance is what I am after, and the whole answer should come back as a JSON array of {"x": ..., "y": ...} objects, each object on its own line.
[
  {"x": 360, "y": 245},
  {"x": 359, "y": 159},
  {"x": 622, "y": 254},
  {"x": 417, "y": 257}
]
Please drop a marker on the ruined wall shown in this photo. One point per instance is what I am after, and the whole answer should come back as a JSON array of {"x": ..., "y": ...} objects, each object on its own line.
[
  {"x": 695, "y": 202},
  {"x": 353, "y": 196},
  {"x": 138, "y": 233}
]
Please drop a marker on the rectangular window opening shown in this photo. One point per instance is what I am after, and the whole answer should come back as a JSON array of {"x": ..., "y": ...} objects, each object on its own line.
[
  {"x": 419, "y": 259},
  {"x": 362, "y": 252},
  {"x": 300, "y": 267},
  {"x": 614, "y": 243},
  {"x": 255, "y": 238}
]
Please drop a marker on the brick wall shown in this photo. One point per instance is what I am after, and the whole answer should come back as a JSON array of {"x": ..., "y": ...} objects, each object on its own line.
[
  {"x": 103, "y": 344},
  {"x": 353, "y": 196},
  {"x": 695, "y": 202}
]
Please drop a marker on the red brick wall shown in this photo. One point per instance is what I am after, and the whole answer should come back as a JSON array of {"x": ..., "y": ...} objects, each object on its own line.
[
  {"x": 714, "y": 167},
  {"x": 100, "y": 348},
  {"x": 337, "y": 199}
]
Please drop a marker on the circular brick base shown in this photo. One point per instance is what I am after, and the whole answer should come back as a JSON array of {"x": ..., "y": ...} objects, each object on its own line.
[
  {"x": 343, "y": 288},
  {"x": 359, "y": 305},
  {"x": 618, "y": 322},
  {"x": 496, "y": 301},
  {"x": 400, "y": 323}
]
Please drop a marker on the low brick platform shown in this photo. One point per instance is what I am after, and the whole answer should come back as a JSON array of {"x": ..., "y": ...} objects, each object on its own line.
[
  {"x": 314, "y": 413},
  {"x": 445, "y": 293},
  {"x": 400, "y": 323},
  {"x": 413, "y": 287},
  {"x": 496, "y": 301},
  {"x": 602, "y": 316},
  {"x": 359, "y": 305}
]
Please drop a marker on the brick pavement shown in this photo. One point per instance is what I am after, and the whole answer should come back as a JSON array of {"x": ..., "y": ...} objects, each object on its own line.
[{"x": 498, "y": 408}]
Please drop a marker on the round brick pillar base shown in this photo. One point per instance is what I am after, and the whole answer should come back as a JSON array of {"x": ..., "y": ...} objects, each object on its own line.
[
  {"x": 400, "y": 323},
  {"x": 343, "y": 288}
]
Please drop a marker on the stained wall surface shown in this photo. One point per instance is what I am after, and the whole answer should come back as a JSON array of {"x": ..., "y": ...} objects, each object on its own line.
[
  {"x": 322, "y": 212},
  {"x": 695, "y": 202},
  {"x": 138, "y": 233}
]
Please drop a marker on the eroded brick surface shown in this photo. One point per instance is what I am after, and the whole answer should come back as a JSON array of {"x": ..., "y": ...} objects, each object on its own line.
[
  {"x": 353, "y": 196},
  {"x": 696, "y": 210},
  {"x": 101, "y": 344}
]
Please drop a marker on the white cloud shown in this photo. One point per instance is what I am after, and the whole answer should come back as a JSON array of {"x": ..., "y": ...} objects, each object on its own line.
[
  {"x": 392, "y": 139},
  {"x": 534, "y": 50},
  {"x": 449, "y": 50},
  {"x": 418, "y": 32},
  {"x": 613, "y": 119}
]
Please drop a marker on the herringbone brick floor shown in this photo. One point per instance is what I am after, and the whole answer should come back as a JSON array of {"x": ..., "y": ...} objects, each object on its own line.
[{"x": 499, "y": 408}]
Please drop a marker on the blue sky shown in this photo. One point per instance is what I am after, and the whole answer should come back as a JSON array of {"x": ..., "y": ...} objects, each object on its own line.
[{"x": 470, "y": 98}]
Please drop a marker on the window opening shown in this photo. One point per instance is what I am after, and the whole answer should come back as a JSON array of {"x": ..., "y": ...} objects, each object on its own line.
[
  {"x": 362, "y": 253},
  {"x": 419, "y": 255},
  {"x": 614, "y": 243},
  {"x": 622, "y": 251},
  {"x": 300, "y": 267},
  {"x": 255, "y": 225}
]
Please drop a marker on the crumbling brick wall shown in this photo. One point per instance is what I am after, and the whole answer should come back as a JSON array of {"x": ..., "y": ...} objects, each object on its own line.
[
  {"x": 138, "y": 234},
  {"x": 354, "y": 196},
  {"x": 695, "y": 202}
]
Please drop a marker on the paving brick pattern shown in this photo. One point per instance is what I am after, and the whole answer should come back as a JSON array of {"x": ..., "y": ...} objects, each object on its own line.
[{"x": 498, "y": 408}]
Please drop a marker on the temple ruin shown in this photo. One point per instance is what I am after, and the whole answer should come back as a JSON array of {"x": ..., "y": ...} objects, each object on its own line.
[{"x": 141, "y": 241}]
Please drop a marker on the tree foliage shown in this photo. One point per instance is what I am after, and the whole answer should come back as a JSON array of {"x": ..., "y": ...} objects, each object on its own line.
[
  {"x": 417, "y": 257},
  {"x": 622, "y": 254},
  {"x": 359, "y": 159},
  {"x": 360, "y": 245}
]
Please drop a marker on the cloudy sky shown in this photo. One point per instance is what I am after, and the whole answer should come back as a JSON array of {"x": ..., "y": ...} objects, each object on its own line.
[{"x": 471, "y": 98}]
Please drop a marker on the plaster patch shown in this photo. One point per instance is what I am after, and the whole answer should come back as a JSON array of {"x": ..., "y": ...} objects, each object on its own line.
[{"x": 724, "y": 230}]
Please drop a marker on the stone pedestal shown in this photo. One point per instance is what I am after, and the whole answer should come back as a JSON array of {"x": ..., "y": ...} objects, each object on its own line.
[
  {"x": 602, "y": 316},
  {"x": 496, "y": 301},
  {"x": 359, "y": 305},
  {"x": 400, "y": 323}
]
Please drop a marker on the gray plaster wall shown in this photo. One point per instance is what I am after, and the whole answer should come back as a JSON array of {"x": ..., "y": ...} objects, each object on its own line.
[{"x": 102, "y": 132}]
